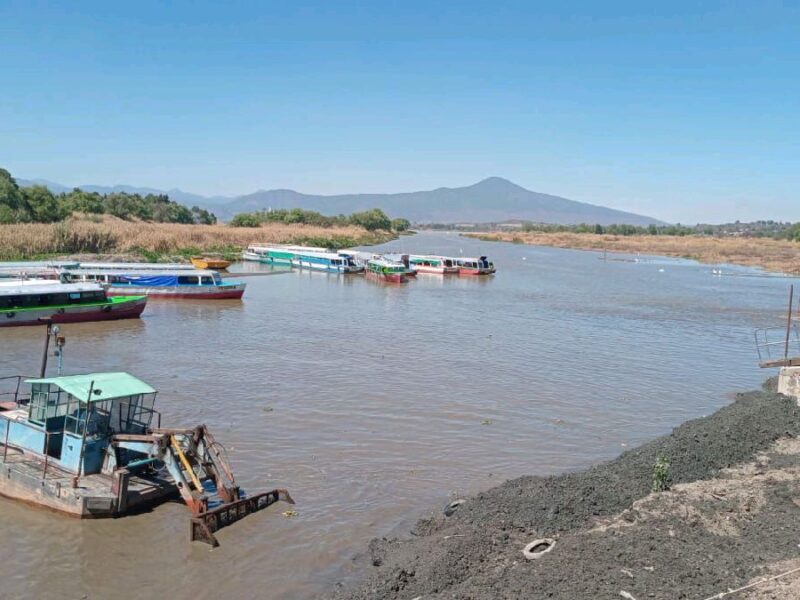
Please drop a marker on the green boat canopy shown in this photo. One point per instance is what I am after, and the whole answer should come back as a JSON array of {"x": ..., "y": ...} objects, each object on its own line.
[{"x": 107, "y": 386}]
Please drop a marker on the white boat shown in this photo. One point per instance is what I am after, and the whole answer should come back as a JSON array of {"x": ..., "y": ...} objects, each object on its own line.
[
  {"x": 440, "y": 265},
  {"x": 195, "y": 283}
]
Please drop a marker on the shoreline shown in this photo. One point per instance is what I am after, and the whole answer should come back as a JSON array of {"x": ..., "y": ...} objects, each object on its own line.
[
  {"x": 776, "y": 256},
  {"x": 727, "y": 521}
]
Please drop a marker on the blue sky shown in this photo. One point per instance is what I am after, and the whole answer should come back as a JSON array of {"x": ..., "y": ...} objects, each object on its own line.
[{"x": 685, "y": 111}]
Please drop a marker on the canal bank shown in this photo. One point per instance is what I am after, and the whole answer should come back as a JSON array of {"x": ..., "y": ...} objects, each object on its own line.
[{"x": 729, "y": 520}]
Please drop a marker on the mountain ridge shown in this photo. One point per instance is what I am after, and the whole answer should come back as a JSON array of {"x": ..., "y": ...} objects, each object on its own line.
[{"x": 493, "y": 199}]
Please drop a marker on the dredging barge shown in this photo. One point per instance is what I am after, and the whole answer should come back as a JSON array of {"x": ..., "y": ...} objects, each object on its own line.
[{"x": 92, "y": 446}]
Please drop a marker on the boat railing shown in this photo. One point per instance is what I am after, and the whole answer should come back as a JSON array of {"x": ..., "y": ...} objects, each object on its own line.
[{"x": 11, "y": 389}]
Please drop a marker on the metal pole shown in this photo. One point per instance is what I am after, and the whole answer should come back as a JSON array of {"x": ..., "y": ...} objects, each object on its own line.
[
  {"x": 5, "y": 446},
  {"x": 85, "y": 426},
  {"x": 788, "y": 322},
  {"x": 46, "y": 345}
]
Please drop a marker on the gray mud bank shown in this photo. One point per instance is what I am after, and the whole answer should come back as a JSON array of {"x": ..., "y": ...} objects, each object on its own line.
[{"x": 731, "y": 518}]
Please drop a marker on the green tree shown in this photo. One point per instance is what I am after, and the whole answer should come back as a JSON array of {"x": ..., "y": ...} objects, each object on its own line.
[
  {"x": 44, "y": 207},
  {"x": 371, "y": 220},
  {"x": 400, "y": 225},
  {"x": 13, "y": 207}
]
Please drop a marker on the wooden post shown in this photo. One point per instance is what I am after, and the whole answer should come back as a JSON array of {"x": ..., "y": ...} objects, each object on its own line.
[{"x": 788, "y": 322}]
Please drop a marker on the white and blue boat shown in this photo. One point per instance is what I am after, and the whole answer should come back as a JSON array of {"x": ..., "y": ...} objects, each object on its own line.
[{"x": 303, "y": 257}]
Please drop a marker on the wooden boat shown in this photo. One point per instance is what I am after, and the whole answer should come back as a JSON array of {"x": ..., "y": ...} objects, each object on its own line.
[
  {"x": 92, "y": 445},
  {"x": 474, "y": 266},
  {"x": 196, "y": 284},
  {"x": 438, "y": 265},
  {"x": 382, "y": 269},
  {"x": 218, "y": 264},
  {"x": 30, "y": 302}
]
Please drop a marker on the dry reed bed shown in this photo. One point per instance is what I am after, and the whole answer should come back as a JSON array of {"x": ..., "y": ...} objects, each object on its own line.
[
  {"x": 112, "y": 235},
  {"x": 772, "y": 255}
]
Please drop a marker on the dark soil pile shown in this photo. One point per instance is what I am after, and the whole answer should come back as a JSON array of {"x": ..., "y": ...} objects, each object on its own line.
[{"x": 683, "y": 544}]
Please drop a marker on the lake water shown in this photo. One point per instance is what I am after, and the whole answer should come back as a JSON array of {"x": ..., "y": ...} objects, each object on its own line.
[{"x": 373, "y": 404}]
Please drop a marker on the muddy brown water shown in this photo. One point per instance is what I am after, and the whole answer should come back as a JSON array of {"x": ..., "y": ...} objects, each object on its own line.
[{"x": 374, "y": 404}]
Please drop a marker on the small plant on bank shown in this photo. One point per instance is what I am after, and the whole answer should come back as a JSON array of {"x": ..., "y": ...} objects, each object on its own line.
[{"x": 661, "y": 478}]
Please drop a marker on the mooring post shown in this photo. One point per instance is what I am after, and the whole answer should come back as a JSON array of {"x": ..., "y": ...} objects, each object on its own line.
[{"x": 788, "y": 323}]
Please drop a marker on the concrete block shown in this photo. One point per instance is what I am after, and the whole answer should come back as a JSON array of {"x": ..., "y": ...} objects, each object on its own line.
[{"x": 789, "y": 382}]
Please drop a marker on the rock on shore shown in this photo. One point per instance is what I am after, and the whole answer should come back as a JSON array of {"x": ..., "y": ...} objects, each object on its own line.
[{"x": 730, "y": 518}]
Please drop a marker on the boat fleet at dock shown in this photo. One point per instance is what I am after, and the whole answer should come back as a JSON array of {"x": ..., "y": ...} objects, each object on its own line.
[
  {"x": 390, "y": 267},
  {"x": 72, "y": 291}
]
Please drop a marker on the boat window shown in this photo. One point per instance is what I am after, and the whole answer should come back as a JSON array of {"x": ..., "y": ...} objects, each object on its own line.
[
  {"x": 37, "y": 411},
  {"x": 207, "y": 280},
  {"x": 217, "y": 278},
  {"x": 74, "y": 296},
  {"x": 187, "y": 280}
]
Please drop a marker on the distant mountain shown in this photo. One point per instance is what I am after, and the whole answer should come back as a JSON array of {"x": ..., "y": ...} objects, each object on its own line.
[
  {"x": 491, "y": 200},
  {"x": 175, "y": 194}
]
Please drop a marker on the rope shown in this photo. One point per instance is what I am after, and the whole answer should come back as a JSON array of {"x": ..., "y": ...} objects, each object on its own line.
[{"x": 752, "y": 585}]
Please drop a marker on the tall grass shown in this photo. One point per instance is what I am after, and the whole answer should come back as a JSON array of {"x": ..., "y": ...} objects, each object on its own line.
[
  {"x": 773, "y": 255},
  {"x": 111, "y": 235}
]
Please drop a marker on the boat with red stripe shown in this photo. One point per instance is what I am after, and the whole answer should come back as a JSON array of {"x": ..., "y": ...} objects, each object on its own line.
[
  {"x": 31, "y": 302},
  {"x": 474, "y": 266}
]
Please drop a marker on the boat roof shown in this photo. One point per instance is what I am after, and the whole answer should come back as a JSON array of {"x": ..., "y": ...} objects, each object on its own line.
[
  {"x": 140, "y": 272},
  {"x": 139, "y": 266},
  {"x": 289, "y": 247},
  {"x": 385, "y": 262},
  {"x": 37, "y": 264},
  {"x": 16, "y": 288},
  {"x": 107, "y": 386}
]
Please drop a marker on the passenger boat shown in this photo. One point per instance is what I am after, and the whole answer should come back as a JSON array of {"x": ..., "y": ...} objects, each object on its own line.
[
  {"x": 29, "y": 302},
  {"x": 202, "y": 262},
  {"x": 34, "y": 269},
  {"x": 132, "y": 266},
  {"x": 382, "y": 269},
  {"x": 439, "y": 265},
  {"x": 92, "y": 445},
  {"x": 474, "y": 266},
  {"x": 331, "y": 262},
  {"x": 276, "y": 254},
  {"x": 197, "y": 284},
  {"x": 402, "y": 258}
]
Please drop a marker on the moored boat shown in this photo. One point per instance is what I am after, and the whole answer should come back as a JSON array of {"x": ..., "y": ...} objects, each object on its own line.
[
  {"x": 202, "y": 262},
  {"x": 382, "y": 269},
  {"x": 474, "y": 266},
  {"x": 30, "y": 302},
  {"x": 439, "y": 265},
  {"x": 331, "y": 262},
  {"x": 196, "y": 284},
  {"x": 276, "y": 254}
]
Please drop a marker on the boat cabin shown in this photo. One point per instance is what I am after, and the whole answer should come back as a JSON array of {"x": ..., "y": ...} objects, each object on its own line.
[
  {"x": 118, "y": 278},
  {"x": 70, "y": 419},
  {"x": 31, "y": 294},
  {"x": 475, "y": 266}
]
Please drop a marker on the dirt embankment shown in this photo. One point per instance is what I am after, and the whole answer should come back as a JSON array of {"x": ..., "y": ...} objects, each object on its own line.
[
  {"x": 773, "y": 255},
  {"x": 730, "y": 519}
]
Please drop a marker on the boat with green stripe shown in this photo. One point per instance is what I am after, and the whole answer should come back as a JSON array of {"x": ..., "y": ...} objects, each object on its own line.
[{"x": 30, "y": 302}]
